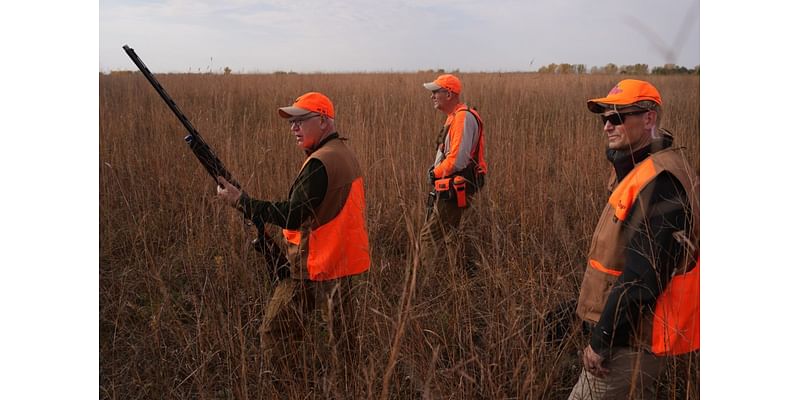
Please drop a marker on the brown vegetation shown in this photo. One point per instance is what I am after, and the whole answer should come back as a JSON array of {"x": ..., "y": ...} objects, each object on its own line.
[{"x": 182, "y": 294}]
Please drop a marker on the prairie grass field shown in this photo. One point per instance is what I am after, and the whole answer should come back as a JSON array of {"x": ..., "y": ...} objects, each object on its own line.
[{"x": 182, "y": 293}]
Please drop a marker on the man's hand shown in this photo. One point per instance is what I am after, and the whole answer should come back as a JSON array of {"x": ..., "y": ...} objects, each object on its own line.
[
  {"x": 227, "y": 192},
  {"x": 431, "y": 175},
  {"x": 593, "y": 363}
]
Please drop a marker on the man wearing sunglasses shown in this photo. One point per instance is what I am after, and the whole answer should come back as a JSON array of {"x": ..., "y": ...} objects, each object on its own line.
[
  {"x": 456, "y": 174},
  {"x": 323, "y": 227},
  {"x": 640, "y": 294}
]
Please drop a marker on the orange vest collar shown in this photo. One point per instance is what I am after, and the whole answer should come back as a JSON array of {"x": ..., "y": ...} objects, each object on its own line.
[{"x": 628, "y": 190}]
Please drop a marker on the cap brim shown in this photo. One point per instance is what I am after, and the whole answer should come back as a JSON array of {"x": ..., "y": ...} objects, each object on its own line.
[
  {"x": 431, "y": 86},
  {"x": 595, "y": 106},
  {"x": 288, "y": 112},
  {"x": 600, "y": 105}
]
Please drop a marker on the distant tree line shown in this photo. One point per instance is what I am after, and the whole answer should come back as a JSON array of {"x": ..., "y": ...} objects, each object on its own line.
[
  {"x": 563, "y": 68},
  {"x": 614, "y": 69}
]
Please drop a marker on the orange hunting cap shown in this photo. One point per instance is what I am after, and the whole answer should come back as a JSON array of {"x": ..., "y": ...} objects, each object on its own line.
[
  {"x": 446, "y": 81},
  {"x": 309, "y": 102},
  {"x": 626, "y": 92}
]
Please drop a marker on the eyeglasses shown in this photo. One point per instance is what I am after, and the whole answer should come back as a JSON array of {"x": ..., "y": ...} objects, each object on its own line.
[
  {"x": 440, "y": 90},
  {"x": 619, "y": 118},
  {"x": 299, "y": 121}
]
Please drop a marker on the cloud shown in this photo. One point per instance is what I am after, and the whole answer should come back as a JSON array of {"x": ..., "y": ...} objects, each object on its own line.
[{"x": 364, "y": 35}]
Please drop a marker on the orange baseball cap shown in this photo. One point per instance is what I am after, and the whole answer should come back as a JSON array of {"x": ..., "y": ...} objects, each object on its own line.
[
  {"x": 626, "y": 92},
  {"x": 446, "y": 81},
  {"x": 309, "y": 102}
]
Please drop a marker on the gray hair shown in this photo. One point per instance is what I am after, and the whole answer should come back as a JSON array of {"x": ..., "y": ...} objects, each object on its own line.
[{"x": 652, "y": 106}]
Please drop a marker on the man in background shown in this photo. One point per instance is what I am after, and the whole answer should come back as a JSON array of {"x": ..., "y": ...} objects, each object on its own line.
[{"x": 457, "y": 173}]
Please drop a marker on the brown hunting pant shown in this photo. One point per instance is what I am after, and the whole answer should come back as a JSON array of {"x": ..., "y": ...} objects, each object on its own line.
[
  {"x": 307, "y": 312},
  {"x": 448, "y": 236},
  {"x": 632, "y": 375}
]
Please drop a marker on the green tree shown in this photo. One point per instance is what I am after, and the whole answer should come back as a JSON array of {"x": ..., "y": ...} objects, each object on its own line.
[
  {"x": 565, "y": 68},
  {"x": 549, "y": 69},
  {"x": 672, "y": 69},
  {"x": 635, "y": 69}
]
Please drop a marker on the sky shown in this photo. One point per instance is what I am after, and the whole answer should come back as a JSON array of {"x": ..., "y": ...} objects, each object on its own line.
[{"x": 395, "y": 35}]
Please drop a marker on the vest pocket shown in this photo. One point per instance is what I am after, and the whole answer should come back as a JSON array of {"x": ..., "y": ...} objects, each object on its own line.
[{"x": 594, "y": 293}]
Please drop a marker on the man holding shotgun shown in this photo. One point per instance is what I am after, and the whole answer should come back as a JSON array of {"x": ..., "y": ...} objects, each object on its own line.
[
  {"x": 323, "y": 225},
  {"x": 323, "y": 220}
]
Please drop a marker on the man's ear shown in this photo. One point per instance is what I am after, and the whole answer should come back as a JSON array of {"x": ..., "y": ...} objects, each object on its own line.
[{"x": 650, "y": 119}]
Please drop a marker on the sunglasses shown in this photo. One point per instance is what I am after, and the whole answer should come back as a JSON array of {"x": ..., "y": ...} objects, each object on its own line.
[
  {"x": 619, "y": 118},
  {"x": 299, "y": 121}
]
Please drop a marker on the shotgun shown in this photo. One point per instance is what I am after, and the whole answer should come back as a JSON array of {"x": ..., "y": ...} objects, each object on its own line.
[{"x": 264, "y": 244}]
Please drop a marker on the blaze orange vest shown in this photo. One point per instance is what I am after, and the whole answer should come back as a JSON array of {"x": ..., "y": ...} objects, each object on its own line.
[
  {"x": 477, "y": 156},
  {"x": 333, "y": 243},
  {"x": 674, "y": 327}
]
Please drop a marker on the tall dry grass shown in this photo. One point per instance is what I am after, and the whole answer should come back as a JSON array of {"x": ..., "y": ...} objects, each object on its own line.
[{"x": 182, "y": 294}]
